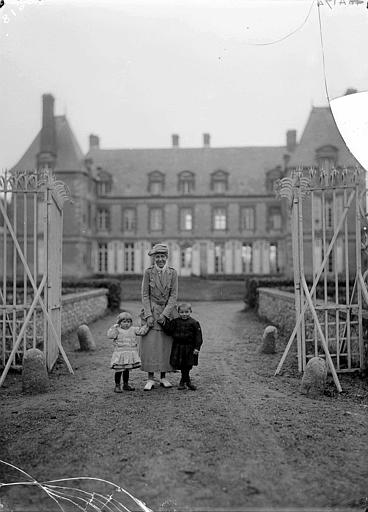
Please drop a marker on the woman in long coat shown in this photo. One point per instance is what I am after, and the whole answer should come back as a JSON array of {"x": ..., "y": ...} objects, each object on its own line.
[{"x": 159, "y": 296}]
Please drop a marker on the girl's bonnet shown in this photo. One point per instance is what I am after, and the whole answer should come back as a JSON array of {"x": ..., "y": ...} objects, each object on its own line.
[{"x": 124, "y": 316}]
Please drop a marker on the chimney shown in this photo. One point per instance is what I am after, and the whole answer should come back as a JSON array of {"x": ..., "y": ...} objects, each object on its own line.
[
  {"x": 291, "y": 140},
  {"x": 175, "y": 140},
  {"x": 47, "y": 154},
  {"x": 94, "y": 141},
  {"x": 206, "y": 140},
  {"x": 286, "y": 158}
]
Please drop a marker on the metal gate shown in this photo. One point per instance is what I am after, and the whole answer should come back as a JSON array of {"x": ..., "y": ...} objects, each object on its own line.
[
  {"x": 326, "y": 220},
  {"x": 31, "y": 219}
]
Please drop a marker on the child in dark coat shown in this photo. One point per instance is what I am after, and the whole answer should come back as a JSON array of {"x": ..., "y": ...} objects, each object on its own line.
[{"x": 187, "y": 341}]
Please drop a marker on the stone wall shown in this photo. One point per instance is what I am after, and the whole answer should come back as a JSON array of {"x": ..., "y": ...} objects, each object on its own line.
[
  {"x": 277, "y": 307},
  {"x": 82, "y": 308}
]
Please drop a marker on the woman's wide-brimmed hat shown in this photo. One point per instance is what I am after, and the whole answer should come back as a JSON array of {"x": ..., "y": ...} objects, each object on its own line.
[
  {"x": 124, "y": 316},
  {"x": 159, "y": 249}
]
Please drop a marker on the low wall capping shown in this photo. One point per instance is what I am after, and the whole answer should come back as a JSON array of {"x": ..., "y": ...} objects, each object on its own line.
[
  {"x": 289, "y": 296},
  {"x": 78, "y": 296}
]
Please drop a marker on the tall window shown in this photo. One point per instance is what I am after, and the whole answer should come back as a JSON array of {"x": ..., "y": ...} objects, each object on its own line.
[
  {"x": 156, "y": 219},
  {"x": 274, "y": 263},
  {"x": 103, "y": 219},
  {"x": 219, "y": 259},
  {"x": 156, "y": 183},
  {"x": 186, "y": 258},
  {"x": 129, "y": 219},
  {"x": 219, "y": 182},
  {"x": 247, "y": 258},
  {"x": 128, "y": 257},
  {"x": 102, "y": 258},
  {"x": 186, "y": 219},
  {"x": 274, "y": 218},
  {"x": 247, "y": 218},
  {"x": 219, "y": 219},
  {"x": 186, "y": 183}
]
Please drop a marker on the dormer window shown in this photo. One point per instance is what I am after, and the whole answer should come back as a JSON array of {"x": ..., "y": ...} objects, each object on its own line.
[
  {"x": 272, "y": 176},
  {"x": 219, "y": 182},
  {"x": 326, "y": 157},
  {"x": 103, "y": 188},
  {"x": 156, "y": 183},
  {"x": 104, "y": 182},
  {"x": 186, "y": 183}
]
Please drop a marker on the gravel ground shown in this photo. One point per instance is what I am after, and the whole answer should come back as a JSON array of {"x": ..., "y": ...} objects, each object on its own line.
[{"x": 244, "y": 440}]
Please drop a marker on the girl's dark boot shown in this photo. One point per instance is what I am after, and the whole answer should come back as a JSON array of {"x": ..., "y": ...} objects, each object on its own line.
[
  {"x": 117, "y": 382},
  {"x": 184, "y": 378},
  {"x": 126, "y": 386},
  {"x": 188, "y": 382}
]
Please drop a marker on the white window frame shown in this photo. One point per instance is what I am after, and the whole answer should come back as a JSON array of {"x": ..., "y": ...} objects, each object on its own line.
[
  {"x": 102, "y": 257},
  {"x": 247, "y": 258},
  {"x": 103, "y": 219},
  {"x": 247, "y": 218},
  {"x": 129, "y": 224},
  {"x": 129, "y": 257},
  {"x": 156, "y": 219},
  {"x": 186, "y": 219},
  {"x": 219, "y": 218}
]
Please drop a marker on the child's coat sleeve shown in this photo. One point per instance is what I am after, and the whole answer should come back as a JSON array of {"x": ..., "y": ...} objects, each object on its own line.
[
  {"x": 141, "y": 331},
  {"x": 198, "y": 336},
  {"x": 112, "y": 333},
  {"x": 169, "y": 326}
]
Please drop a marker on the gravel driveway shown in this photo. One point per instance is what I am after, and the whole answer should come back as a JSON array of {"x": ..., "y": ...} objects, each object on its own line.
[{"x": 244, "y": 440}]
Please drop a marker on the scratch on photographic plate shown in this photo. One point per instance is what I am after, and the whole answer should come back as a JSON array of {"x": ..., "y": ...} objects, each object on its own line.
[{"x": 63, "y": 494}]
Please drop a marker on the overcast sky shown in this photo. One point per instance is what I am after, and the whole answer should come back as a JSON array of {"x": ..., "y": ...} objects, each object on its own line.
[{"x": 134, "y": 72}]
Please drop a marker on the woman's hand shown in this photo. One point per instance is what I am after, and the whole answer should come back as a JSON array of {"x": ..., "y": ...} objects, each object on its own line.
[
  {"x": 161, "y": 319},
  {"x": 150, "y": 321},
  {"x": 195, "y": 351}
]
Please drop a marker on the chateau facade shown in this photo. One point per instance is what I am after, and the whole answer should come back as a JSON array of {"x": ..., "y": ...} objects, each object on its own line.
[{"x": 215, "y": 208}]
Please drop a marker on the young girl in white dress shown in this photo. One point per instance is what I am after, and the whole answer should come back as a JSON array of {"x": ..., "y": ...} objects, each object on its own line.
[{"x": 125, "y": 356}]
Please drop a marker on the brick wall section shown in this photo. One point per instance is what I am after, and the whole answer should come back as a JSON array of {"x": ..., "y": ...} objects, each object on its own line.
[{"x": 82, "y": 308}]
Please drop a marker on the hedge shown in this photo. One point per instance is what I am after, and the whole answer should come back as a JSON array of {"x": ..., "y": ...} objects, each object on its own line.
[
  {"x": 113, "y": 286},
  {"x": 253, "y": 283}
]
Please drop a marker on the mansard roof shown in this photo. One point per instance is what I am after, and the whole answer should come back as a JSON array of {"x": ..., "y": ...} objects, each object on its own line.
[
  {"x": 69, "y": 154},
  {"x": 246, "y": 167},
  {"x": 320, "y": 131}
]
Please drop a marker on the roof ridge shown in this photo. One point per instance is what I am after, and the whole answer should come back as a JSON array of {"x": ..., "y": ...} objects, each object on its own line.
[{"x": 199, "y": 148}]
